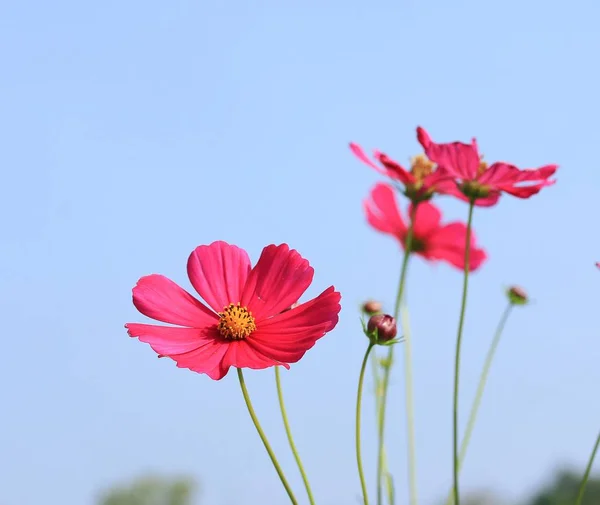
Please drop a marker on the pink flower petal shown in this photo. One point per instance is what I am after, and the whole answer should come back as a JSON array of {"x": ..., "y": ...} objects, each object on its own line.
[
  {"x": 383, "y": 213},
  {"x": 360, "y": 154},
  {"x": 441, "y": 182},
  {"x": 277, "y": 281},
  {"x": 448, "y": 244},
  {"x": 427, "y": 219},
  {"x": 499, "y": 173},
  {"x": 537, "y": 174},
  {"x": 160, "y": 298},
  {"x": 287, "y": 336},
  {"x": 207, "y": 359},
  {"x": 215, "y": 359},
  {"x": 218, "y": 272},
  {"x": 392, "y": 168},
  {"x": 168, "y": 340},
  {"x": 525, "y": 191},
  {"x": 460, "y": 160},
  {"x": 395, "y": 170}
]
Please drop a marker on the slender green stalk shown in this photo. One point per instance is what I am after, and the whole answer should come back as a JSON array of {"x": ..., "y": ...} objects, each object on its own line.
[
  {"x": 480, "y": 389},
  {"x": 263, "y": 437},
  {"x": 389, "y": 483},
  {"x": 288, "y": 432},
  {"x": 390, "y": 488},
  {"x": 407, "y": 380},
  {"x": 461, "y": 323},
  {"x": 588, "y": 470},
  {"x": 410, "y": 416},
  {"x": 361, "y": 379}
]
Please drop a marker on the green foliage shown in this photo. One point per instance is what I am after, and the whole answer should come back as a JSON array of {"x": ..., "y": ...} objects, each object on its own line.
[
  {"x": 564, "y": 488},
  {"x": 151, "y": 491}
]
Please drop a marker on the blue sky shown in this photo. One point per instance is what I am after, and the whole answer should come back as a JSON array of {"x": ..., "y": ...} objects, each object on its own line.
[{"x": 131, "y": 132}]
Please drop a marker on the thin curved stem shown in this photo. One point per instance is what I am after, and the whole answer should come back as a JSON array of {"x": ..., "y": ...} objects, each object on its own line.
[
  {"x": 588, "y": 470},
  {"x": 263, "y": 437},
  {"x": 461, "y": 322},
  {"x": 361, "y": 379},
  {"x": 290, "y": 438},
  {"x": 480, "y": 390}
]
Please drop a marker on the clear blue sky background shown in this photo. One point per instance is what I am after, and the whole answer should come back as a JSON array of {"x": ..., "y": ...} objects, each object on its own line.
[{"x": 131, "y": 132}]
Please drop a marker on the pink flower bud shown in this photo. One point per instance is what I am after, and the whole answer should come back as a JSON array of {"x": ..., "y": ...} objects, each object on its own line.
[
  {"x": 517, "y": 295},
  {"x": 385, "y": 326},
  {"x": 372, "y": 307}
]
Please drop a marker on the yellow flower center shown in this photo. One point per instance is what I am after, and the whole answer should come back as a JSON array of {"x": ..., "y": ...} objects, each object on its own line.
[
  {"x": 483, "y": 166},
  {"x": 236, "y": 322},
  {"x": 421, "y": 167}
]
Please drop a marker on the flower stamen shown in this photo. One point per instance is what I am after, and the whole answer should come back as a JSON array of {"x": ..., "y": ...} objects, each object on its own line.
[
  {"x": 483, "y": 166},
  {"x": 236, "y": 322},
  {"x": 421, "y": 167}
]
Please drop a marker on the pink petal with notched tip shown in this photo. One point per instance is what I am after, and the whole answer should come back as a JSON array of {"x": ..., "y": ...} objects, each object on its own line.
[
  {"x": 160, "y": 298},
  {"x": 218, "y": 273},
  {"x": 280, "y": 278},
  {"x": 287, "y": 336}
]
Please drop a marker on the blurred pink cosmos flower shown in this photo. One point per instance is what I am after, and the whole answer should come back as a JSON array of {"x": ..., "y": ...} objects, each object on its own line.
[
  {"x": 247, "y": 328},
  {"x": 431, "y": 240},
  {"x": 475, "y": 180},
  {"x": 419, "y": 183}
]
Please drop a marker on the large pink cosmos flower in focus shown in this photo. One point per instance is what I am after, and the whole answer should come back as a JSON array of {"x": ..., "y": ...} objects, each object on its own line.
[
  {"x": 431, "y": 240},
  {"x": 250, "y": 326},
  {"x": 478, "y": 181}
]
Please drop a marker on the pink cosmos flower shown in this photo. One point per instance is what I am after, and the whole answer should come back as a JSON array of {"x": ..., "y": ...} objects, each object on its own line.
[
  {"x": 479, "y": 182},
  {"x": 246, "y": 327},
  {"x": 419, "y": 183},
  {"x": 431, "y": 240}
]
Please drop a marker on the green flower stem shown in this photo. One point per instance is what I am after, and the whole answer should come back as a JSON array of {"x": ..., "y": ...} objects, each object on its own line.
[
  {"x": 361, "y": 379},
  {"x": 389, "y": 483},
  {"x": 410, "y": 417},
  {"x": 263, "y": 437},
  {"x": 288, "y": 432},
  {"x": 407, "y": 381},
  {"x": 390, "y": 488},
  {"x": 461, "y": 322},
  {"x": 480, "y": 389},
  {"x": 588, "y": 470}
]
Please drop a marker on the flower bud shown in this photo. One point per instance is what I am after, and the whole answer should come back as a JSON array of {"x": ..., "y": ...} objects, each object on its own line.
[
  {"x": 385, "y": 326},
  {"x": 517, "y": 296},
  {"x": 372, "y": 307}
]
